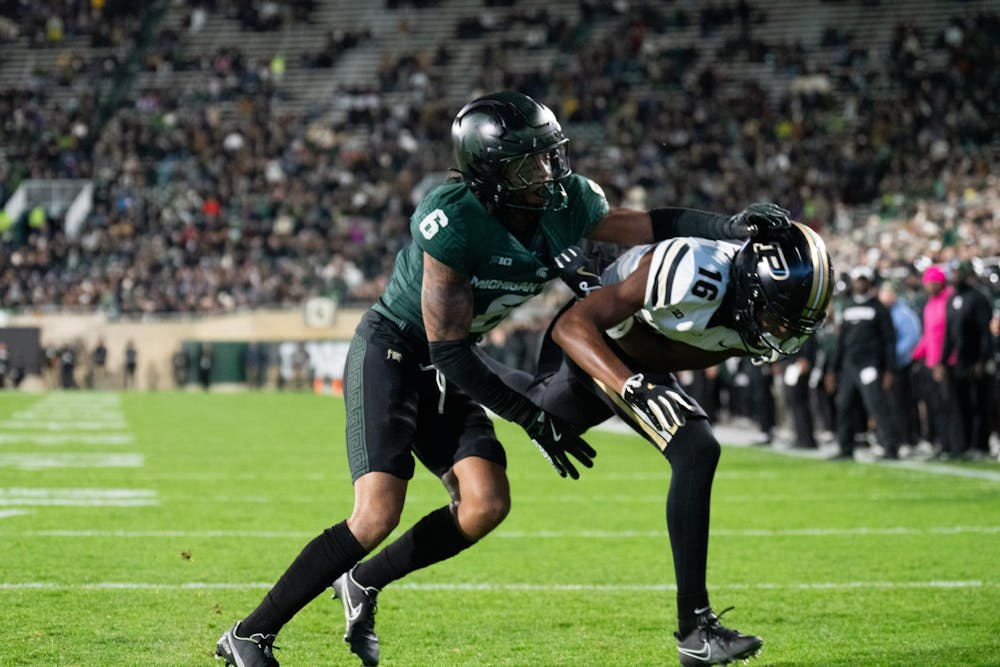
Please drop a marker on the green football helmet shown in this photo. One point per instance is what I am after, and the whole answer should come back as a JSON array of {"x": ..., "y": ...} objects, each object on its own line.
[{"x": 511, "y": 152}]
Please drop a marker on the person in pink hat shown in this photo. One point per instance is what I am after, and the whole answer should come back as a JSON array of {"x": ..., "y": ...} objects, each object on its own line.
[{"x": 933, "y": 391}]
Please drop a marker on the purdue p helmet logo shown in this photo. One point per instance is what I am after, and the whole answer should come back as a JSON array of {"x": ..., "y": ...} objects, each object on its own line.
[{"x": 775, "y": 258}]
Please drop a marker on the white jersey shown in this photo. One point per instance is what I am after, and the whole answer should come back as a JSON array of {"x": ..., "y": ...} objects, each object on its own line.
[{"x": 688, "y": 278}]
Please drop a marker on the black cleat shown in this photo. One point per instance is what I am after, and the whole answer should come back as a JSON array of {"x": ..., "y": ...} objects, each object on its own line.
[
  {"x": 257, "y": 650},
  {"x": 359, "y": 609},
  {"x": 713, "y": 644}
]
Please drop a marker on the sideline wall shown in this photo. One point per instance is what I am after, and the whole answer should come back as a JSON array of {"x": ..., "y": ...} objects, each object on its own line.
[{"x": 157, "y": 340}]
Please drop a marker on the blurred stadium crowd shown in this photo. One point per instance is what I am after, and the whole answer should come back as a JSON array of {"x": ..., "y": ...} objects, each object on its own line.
[{"x": 230, "y": 192}]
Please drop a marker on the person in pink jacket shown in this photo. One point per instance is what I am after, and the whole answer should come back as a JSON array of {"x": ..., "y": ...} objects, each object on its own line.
[{"x": 933, "y": 388}]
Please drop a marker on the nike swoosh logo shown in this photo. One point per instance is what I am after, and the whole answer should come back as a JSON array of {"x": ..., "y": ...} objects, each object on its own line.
[
  {"x": 583, "y": 272},
  {"x": 699, "y": 612},
  {"x": 556, "y": 435},
  {"x": 701, "y": 654},
  {"x": 353, "y": 613}
]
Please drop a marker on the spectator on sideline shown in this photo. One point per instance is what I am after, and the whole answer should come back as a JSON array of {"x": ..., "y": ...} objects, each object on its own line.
[
  {"x": 254, "y": 364},
  {"x": 826, "y": 411},
  {"x": 862, "y": 367},
  {"x": 908, "y": 332},
  {"x": 995, "y": 372},
  {"x": 481, "y": 246},
  {"x": 967, "y": 341},
  {"x": 99, "y": 365},
  {"x": 761, "y": 400},
  {"x": 206, "y": 361},
  {"x": 795, "y": 375},
  {"x": 300, "y": 366},
  {"x": 706, "y": 389},
  {"x": 932, "y": 387},
  {"x": 179, "y": 362},
  {"x": 131, "y": 362},
  {"x": 67, "y": 366},
  {"x": 4, "y": 364}
]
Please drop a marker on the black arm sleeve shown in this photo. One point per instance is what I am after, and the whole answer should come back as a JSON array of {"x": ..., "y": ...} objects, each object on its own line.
[
  {"x": 672, "y": 222},
  {"x": 460, "y": 364}
]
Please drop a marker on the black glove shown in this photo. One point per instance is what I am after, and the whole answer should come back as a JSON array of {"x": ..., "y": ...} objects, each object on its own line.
[
  {"x": 576, "y": 271},
  {"x": 758, "y": 219},
  {"x": 662, "y": 407},
  {"x": 554, "y": 441}
]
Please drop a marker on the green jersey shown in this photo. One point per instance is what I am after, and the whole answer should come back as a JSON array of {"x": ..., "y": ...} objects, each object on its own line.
[{"x": 453, "y": 227}]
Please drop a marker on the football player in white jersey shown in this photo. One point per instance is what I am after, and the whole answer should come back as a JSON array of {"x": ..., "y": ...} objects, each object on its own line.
[{"x": 681, "y": 304}]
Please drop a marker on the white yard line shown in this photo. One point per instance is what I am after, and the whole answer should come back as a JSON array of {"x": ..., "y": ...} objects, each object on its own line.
[
  {"x": 29, "y": 461},
  {"x": 938, "y": 469},
  {"x": 72, "y": 425},
  {"x": 504, "y": 587},
  {"x": 741, "y": 437},
  {"x": 18, "y": 496},
  {"x": 50, "y": 439},
  {"x": 70, "y": 419},
  {"x": 79, "y": 502},
  {"x": 5, "y": 514},
  {"x": 514, "y": 534}
]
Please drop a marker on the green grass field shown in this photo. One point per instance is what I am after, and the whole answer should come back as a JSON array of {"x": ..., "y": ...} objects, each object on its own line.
[{"x": 135, "y": 528}]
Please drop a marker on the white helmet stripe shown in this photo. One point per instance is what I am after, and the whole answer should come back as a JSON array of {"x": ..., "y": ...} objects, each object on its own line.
[{"x": 820, "y": 281}]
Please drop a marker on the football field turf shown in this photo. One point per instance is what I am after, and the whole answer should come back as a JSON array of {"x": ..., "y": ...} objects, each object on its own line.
[{"x": 135, "y": 528}]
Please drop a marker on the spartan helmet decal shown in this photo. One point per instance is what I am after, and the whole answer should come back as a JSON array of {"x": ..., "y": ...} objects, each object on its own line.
[
  {"x": 783, "y": 281},
  {"x": 511, "y": 151}
]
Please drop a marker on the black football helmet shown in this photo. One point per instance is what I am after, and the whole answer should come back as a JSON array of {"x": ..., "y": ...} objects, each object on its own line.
[
  {"x": 511, "y": 151},
  {"x": 783, "y": 281}
]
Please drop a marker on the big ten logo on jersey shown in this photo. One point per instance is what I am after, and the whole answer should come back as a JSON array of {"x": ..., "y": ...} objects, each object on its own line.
[
  {"x": 502, "y": 261},
  {"x": 775, "y": 258},
  {"x": 432, "y": 223}
]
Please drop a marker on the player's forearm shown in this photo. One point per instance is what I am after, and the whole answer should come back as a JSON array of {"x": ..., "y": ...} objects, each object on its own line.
[
  {"x": 630, "y": 227},
  {"x": 672, "y": 222},
  {"x": 462, "y": 367},
  {"x": 585, "y": 345}
]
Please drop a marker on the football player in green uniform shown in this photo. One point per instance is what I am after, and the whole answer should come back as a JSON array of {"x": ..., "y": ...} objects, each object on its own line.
[{"x": 415, "y": 385}]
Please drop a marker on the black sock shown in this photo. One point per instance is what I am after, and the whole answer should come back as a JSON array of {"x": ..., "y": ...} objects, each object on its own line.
[
  {"x": 432, "y": 539},
  {"x": 689, "y": 607},
  {"x": 324, "y": 559},
  {"x": 693, "y": 456}
]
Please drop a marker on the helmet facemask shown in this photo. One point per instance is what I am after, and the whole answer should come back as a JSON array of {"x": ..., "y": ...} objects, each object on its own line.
[
  {"x": 533, "y": 181},
  {"x": 778, "y": 333},
  {"x": 783, "y": 288},
  {"x": 511, "y": 151}
]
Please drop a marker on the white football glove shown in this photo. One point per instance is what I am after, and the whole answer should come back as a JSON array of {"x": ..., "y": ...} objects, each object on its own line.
[{"x": 663, "y": 407}]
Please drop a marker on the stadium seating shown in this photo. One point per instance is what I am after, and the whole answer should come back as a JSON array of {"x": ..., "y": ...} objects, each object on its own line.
[{"x": 194, "y": 123}]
